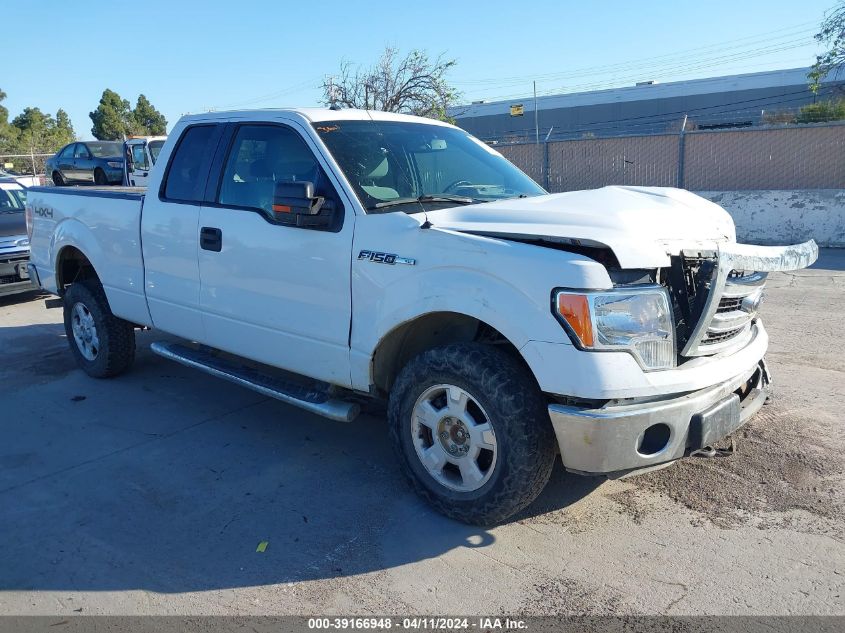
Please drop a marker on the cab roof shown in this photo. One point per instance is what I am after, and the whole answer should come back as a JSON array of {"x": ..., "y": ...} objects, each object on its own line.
[{"x": 317, "y": 115}]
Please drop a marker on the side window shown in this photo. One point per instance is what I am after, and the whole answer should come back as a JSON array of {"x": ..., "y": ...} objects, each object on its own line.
[
  {"x": 139, "y": 157},
  {"x": 81, "y": 151},
  {"x": 261, "y": 156},
  {"x": 67, "y": 152},
  {"x": 186, "y": 173}
]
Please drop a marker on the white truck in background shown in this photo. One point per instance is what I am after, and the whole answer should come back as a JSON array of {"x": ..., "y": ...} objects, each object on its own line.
[
  {"x": 330, "y": 257},
  {"x": 140, "y": 154}
]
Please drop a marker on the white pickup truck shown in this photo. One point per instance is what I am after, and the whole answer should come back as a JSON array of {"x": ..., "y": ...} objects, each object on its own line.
[{"x": 327, "y": 257}]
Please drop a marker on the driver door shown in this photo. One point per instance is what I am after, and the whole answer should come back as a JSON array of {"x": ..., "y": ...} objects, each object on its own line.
[
  {"x": 275, "y": 293},
  {"x": 83, "y": 164},
  {"x": 140, "y": 161}
]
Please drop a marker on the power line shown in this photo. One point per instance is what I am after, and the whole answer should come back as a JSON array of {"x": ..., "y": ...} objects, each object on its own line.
[
  {"x": 792, "y": 31},
  {"x": 684, "y": 67},
  {"x": 269, "y": 96}
]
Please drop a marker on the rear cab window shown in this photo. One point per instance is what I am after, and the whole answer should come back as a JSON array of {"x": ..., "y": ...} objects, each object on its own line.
[{"x": 187, "y": 171}]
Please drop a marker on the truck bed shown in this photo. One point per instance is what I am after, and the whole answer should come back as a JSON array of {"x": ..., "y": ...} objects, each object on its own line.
[
  {"x": 105, "y": 224},
  {"x": 105, "y": 191}
]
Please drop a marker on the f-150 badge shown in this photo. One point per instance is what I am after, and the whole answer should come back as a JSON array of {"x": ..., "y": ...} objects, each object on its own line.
[{"x": 386, "y": 258}]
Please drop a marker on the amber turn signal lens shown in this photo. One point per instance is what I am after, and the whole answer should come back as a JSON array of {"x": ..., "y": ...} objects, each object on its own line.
[{"x": 575, "y": 309}]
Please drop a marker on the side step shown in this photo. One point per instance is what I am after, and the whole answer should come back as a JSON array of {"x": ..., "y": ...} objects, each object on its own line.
[{"x": 315, "y": 398}]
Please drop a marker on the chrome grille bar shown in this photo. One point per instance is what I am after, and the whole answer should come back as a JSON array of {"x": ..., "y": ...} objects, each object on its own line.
[{"x": 736, "y": 287}]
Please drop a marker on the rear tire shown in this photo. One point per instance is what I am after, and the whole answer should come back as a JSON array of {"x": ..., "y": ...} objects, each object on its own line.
[
  {"x": 100, "y": 177},
  {"x": 58, "y": 180},
  {"x": 472, "y": 432},
  {"x": 102, "y": 344}
]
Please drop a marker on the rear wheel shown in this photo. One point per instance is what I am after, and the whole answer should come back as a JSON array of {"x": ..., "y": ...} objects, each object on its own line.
[
  {"x": 472, "y": 431},
  {"x": 102, "y": 344},
  {"x": 100, "y": 177},
  {"x": 58, "y": 180}
]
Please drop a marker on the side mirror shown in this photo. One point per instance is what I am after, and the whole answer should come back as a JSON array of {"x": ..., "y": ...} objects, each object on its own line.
[
  {"x": 296, "y": 198},
  {"x": 294, "y": 203}
]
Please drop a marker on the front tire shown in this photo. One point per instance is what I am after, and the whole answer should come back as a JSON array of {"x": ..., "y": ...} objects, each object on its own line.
[
  {"x": 102, "y": 344},
  {"x": 100, "y": 177},
  {"x": 472, "y": 432},
  {"x": 58, "y": 180}
]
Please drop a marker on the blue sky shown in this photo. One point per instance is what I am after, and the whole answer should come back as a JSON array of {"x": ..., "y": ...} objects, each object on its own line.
[{"x": 190, "y": 56}]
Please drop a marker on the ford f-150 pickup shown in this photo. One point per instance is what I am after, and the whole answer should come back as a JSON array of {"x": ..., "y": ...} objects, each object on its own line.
[{"x": 328, "y": 257}]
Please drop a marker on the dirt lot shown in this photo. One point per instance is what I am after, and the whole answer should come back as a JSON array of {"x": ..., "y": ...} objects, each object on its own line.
[{"x": 150, "y": 493}]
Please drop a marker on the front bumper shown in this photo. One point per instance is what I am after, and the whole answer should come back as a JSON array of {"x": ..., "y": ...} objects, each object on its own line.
[
  {"x": 617, "y": 439},
  {"x": 14, "y": 273}
]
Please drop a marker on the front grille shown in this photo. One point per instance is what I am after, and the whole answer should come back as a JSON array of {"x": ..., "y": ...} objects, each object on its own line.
[
  {"x": 712, "y": 338},
  {"x": 729, "y": 304},
  {"x": 714, "y": 307},
  {"x": 8, "y": 279}
]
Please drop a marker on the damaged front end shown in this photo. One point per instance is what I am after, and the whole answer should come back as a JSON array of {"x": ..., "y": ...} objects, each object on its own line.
[{"x": 716, "y": 294}]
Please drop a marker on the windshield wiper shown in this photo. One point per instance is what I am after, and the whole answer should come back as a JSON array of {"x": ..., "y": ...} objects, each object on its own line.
[{"x": 426, "y": 197}]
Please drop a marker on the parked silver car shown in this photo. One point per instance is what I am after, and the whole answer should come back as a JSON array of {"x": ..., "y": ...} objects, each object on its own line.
[{"x": 14, "y": 241}]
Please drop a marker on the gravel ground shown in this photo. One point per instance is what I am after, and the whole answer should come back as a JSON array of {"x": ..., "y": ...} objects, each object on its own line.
[{"x": 150, "y": 493}]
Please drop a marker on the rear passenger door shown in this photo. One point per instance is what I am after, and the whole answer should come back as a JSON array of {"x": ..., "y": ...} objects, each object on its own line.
[
  {"x": 271, "y": 292},
  {"x": 169, "y": 228}
]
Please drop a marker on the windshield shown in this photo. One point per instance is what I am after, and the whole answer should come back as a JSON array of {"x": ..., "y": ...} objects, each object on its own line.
[
  {"x": 12, "y": 200},
  {"x": 399, "y": 166},
  {"x": 155, "y": 149},
  {"x": 107, "y": 149}
]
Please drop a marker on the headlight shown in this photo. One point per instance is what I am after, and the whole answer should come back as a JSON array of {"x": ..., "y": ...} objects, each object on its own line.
[
  {"x": 638, "y": 321},
  {"x": 114, "y": 164}
]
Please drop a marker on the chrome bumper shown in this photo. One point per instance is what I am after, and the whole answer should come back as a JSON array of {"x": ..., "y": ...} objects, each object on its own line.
[{"x": 615, "y": 440}]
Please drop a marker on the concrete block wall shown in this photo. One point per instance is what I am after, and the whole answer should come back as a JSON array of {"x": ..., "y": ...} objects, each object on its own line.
[{"x": 785, "y": 217}]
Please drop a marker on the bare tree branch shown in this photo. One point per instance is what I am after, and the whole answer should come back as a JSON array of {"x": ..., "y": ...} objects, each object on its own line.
[
  {"x": 413, "y": 84},
  {"x": 832, "y": 33}
]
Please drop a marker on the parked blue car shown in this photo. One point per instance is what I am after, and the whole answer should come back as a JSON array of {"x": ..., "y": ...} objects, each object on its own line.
[{"x": 100, "y": 162}]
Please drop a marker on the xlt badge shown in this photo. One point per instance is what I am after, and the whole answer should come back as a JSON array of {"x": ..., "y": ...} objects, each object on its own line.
[{"x": 386, "y": 258}]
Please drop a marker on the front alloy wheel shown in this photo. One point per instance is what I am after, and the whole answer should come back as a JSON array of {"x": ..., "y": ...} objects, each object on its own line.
[
  {"x": 454, "y": 438},
  {"x": 472, "y": 431}
]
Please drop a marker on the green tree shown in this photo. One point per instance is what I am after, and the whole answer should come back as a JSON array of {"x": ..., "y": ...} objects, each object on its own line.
[
  {"x": 148, "y": 120},
  {"x": 413, "y": 84},
  {"x": 113, "y": 117},
  {"x": 64, "y": 129},
  {"x": 8, "y": 136},
  {"x": 832, "y": 33},
  {"x": 4, "y": 111},
  {"x": 35, "y": 129}
]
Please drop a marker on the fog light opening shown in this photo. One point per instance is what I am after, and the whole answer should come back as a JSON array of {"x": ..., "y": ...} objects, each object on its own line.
[{"x": 654, "y": 439}]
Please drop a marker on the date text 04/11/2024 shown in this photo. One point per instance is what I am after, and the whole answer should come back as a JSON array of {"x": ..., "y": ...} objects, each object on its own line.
[{"x": 417, "y": 623}]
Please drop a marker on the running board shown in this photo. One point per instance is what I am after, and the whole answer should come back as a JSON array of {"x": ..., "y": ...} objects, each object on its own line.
[{"x": 315, "y": 398}]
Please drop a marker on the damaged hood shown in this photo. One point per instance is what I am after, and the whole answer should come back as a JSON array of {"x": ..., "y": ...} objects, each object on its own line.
[{"x": 641, "y": 225}]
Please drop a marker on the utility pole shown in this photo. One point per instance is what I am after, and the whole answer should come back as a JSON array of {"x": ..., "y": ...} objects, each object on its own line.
[
  {"x": 536, "y": 120},
  {"x": 330, "y": 83}
]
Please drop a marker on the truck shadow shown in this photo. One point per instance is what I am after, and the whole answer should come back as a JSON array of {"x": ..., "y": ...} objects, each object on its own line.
[{"x": 168, "y": 480}]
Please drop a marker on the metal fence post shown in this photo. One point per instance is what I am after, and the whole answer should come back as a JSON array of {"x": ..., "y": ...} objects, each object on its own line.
[
  {"x": 681, "y": 144},
  {"x": 546, "y": 167}
]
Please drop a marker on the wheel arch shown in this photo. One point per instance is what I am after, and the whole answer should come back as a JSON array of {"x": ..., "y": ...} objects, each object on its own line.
[
  {"x": 73, "y": 265},
  {"x": 424, "y": 332}
]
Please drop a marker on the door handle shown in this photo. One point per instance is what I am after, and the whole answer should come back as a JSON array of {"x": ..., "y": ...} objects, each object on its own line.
[{"x": 211, "y": 239}]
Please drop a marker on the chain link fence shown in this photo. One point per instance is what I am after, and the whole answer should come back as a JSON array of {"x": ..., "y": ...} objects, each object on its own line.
[
  {"x": 810, "y": 156},
  {"x": 24, "y": 164}
]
